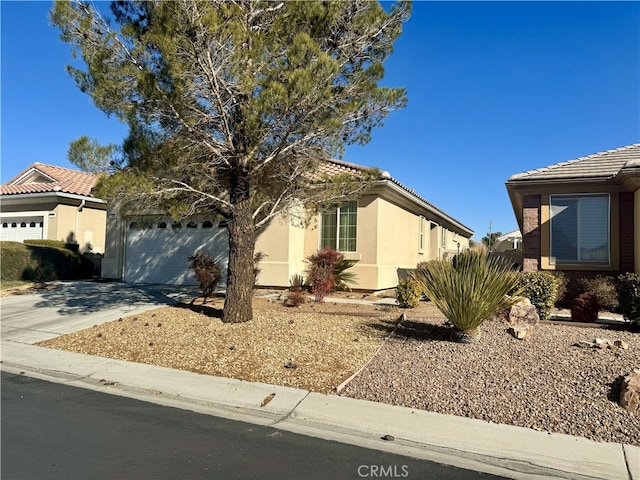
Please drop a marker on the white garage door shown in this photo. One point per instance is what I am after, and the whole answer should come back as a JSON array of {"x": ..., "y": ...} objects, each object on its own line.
[
  {"x": 18, "y": 229},
  {"x": 158, "y": 252}
]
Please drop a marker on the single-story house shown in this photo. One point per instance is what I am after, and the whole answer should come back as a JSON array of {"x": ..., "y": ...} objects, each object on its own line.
[
  {"x": 391, "y": 228},
  {"x": 508, "y": 241},
  {"x": 53, "y": 203},
  {"x": 581, "y": 216}
]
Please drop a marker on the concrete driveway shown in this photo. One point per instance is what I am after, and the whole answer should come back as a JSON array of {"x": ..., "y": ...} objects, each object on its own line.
[{"x": 73, "y": 306}]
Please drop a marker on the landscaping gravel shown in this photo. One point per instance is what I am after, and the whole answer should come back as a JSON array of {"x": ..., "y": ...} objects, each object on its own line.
[{"x": 544, "y": 382}]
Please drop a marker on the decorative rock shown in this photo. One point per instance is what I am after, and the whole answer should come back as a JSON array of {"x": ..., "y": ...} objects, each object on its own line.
[
  {"x": 630, "y": 392},
  {"x": 602, "y": 343},
  {"x": 524, "y": 313},
  {"x": 521, "y": 332},
  {"x": 621, "y": 344}
]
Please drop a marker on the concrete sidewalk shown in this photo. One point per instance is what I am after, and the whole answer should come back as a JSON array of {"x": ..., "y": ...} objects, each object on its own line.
[{"x": 503, "y": 450}]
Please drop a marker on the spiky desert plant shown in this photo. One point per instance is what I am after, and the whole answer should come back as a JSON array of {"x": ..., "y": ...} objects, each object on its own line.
[
  {"x": 344, "y": 278},
  {"x": 470, "y": 288}
]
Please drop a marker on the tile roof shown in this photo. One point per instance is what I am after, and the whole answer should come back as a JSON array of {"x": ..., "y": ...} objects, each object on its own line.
[
  {"x": 602, "y": 165},
  {"x": 335, "y": 167},
  {"x": 43, "y": 178}
]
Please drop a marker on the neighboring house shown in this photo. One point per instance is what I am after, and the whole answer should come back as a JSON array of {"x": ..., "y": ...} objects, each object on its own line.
[
  {"x": 581, "y": 216},
  {"x": 53, "y": 203},
  {"x": 508, "y": 241},
  {"x": 389, "y": 229}
]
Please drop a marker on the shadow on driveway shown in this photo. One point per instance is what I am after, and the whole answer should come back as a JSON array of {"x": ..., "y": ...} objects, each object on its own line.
[{"x": 84, "y": 297}]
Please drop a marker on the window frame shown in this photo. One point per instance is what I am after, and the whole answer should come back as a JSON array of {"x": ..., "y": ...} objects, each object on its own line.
[
  {"x": 579, "y": 261},
  {"x": 421, "y": 233},
  {"x": 337, "y": 212}
]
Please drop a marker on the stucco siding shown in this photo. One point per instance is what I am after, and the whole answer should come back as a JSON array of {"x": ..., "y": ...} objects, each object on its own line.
[{"x": 636, "y": 223}]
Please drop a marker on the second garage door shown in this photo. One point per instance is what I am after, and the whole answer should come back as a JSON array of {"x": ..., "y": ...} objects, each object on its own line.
[{"x": 157, "y": 252}]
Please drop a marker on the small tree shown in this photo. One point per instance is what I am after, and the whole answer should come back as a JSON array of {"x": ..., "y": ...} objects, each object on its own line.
[
  {"x": 469, "y": 289},
  {"x": 207, "y": 272}
]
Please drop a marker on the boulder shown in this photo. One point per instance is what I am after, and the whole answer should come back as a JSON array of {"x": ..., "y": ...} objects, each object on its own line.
[
  {"x": 523, "y": 313},
  {"x": 630, "y": 392},
  {"x": 521, "y": 331}
]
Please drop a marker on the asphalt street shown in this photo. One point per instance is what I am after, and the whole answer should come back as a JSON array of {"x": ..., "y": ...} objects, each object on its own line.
[{"x": 54, "y": 431}]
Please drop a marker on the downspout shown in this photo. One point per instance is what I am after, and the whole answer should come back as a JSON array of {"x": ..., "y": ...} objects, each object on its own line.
[{"x": 78, "y": 210}]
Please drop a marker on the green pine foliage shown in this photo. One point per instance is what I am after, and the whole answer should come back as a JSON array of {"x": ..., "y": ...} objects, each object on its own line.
[
  {"x": 232, "y": 107},
  {"x": 469, "y": 289}
]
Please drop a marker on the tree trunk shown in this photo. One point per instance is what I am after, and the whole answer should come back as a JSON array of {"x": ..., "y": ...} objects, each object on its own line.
[{"x": 238, "y": 300}]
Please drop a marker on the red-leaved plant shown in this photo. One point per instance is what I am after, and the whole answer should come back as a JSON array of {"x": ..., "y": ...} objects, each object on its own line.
[{"x": 320, "y": 273}]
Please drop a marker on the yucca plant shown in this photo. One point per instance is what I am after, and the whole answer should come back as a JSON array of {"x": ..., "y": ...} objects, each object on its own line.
[{"x": 469, "y": 289}]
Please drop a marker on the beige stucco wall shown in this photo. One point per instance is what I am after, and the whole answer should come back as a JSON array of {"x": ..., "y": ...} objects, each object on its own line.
[
  {"x": 636, "y": 222},
  {"x": 282, "y": 241},
  {"x": 86, "y": 227},
  {"x": 388, "y": 239}
]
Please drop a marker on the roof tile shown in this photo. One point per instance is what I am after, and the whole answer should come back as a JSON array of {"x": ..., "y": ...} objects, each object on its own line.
[{"x": 63, "y": 180}]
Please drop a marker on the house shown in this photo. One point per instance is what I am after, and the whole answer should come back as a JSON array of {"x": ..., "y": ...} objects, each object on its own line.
[
  {"x": 581, "y": 216},
  {"x": 53, "y": 203},
  {"x": 391, "y": 228},
  {"x": 508, "y": 241}
]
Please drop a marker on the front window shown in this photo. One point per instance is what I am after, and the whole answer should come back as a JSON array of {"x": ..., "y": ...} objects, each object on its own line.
[
  {"x": 339, "y": 226},
  {"x": 580, "y": 229}
]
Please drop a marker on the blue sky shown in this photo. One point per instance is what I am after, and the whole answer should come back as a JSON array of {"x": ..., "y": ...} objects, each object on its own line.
[{"x": 494, "y": 88}]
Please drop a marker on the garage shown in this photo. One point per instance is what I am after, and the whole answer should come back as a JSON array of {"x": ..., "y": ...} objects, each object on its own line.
[
  {"x": 157, "y": 251},
  {"x": 19, "y": 229}
]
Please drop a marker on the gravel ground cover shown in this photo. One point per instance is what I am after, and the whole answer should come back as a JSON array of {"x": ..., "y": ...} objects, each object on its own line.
[{"x": 543, "y": 382}]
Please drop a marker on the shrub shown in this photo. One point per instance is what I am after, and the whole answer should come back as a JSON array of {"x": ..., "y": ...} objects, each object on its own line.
[
  {"x": 207, "y": 272},
  {"x": 584, "y": 308},
  {"x": 469, "y": 290},
  {"x": 320, "y": 272},
  {"x": 563, "y": 281},
  {"x": 541, "y": 288},
  {"x": 604, "y": 289},
  {"x": 327, "y": 271},
  {"x": 74, "y": 247},
  {"x": 628, "y": 289},
  {"x": 342, "y": 277},
  {"x": 295, "y": 298},
  {"x": 408, "y": 293},
  {"x": 296, "y": 282},
  {"x": 41, "y": 263}
]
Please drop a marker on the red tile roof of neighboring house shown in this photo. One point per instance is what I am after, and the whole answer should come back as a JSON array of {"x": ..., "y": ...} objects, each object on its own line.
[{"x": 43, "y": 178}]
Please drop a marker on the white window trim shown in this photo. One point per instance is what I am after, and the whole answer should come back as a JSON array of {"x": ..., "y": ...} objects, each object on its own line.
[
  {"x": 552, "y": 259},
  {"x": 421, "y": 233},
  {"x": 338, "y": 230}
]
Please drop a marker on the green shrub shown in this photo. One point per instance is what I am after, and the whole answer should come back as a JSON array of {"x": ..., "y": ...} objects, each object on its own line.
[
  {"x": 469, "y": 289},
  {"x": 408, "y": 293},
  {"x": 563, "y": 281},
  {"x": 36, "y": 263},
  {"x": 628, "y": 289},
  {"x": 604, "y": 289},
  {"x": 541, "y": 288},
  {"x": 344, "y": 278},
  {"x": 584, "y": 308},
  {"x": 207, "y": 272},
  {"x": 74, "y": 247}
]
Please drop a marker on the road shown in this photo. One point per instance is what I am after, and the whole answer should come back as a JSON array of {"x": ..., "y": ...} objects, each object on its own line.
[{"x": 55, "y": 431}]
